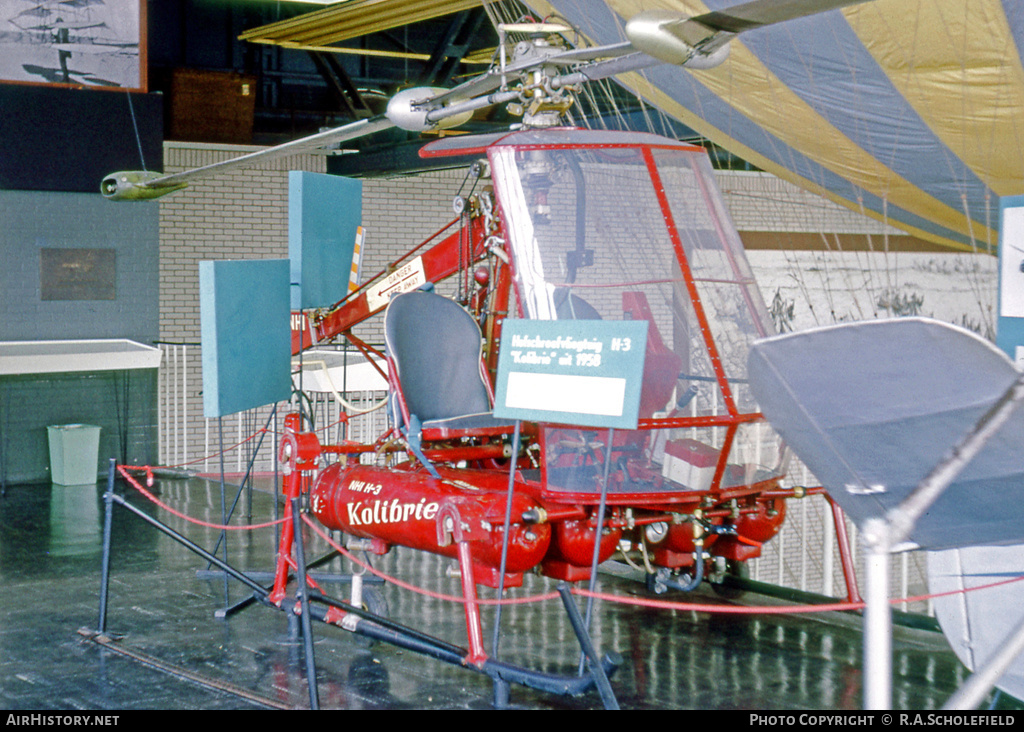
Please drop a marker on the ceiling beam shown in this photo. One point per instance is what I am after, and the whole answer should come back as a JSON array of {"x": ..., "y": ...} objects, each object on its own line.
[{"x": 353, "y": 19}]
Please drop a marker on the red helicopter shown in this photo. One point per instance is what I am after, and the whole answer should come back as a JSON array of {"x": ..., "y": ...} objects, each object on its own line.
[
  {"x": 696, "y": 483},
  {"x": 563, "y": 224},
  {"x": 568, "y": 225}
]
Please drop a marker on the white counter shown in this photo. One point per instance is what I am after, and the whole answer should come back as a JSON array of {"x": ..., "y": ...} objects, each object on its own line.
[{"x": 51, "y": 357}]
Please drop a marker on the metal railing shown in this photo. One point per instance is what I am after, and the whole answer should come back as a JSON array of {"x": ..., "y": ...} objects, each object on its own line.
[{"x": 190, "y": 441}]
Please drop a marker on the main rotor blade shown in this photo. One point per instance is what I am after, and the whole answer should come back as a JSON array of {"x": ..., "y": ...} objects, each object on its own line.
[
  {"x": 612, "y": 50},
  {"x": 711, "y": 30},
  {"x": 703, "y": 32},
  {"x": 351, "y": 131},
  {"x": 758, "y": 13},
  {"x": 699, "y": 41}
]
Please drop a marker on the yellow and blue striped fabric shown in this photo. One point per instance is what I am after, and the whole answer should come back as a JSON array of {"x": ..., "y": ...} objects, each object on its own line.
[{"x": 911, "y": 111}]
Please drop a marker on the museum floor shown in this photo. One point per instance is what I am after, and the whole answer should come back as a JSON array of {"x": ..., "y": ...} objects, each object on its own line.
[{"x": 162, "y": 605}]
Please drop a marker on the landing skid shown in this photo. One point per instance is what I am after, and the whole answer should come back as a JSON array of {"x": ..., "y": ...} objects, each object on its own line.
[{"x": 311, "y": 604}]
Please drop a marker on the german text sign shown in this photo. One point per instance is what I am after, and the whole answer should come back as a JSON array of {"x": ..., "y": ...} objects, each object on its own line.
[{"x": 580, "y": 372}]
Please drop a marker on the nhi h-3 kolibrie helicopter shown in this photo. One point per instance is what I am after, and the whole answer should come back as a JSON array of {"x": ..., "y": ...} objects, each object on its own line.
[{"x": 567, "y": 224}]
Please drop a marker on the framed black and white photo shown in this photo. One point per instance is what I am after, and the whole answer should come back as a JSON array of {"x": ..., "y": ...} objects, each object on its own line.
[{"x": 80, "y": 43}]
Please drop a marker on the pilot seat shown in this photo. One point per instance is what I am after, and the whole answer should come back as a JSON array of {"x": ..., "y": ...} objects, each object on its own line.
[{"x": 435, "y": 366}]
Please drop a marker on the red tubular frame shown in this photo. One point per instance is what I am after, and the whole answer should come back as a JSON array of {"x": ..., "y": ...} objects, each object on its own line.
[{"x": 439, "y": 261}]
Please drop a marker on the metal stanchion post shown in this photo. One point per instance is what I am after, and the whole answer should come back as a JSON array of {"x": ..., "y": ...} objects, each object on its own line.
[
  {"x": 307, "y": 630},
  {"x": 108, "y": 499}
]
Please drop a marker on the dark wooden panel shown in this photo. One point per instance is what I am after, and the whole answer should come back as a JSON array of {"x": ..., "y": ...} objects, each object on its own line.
[{"x": 212, "y": 106}]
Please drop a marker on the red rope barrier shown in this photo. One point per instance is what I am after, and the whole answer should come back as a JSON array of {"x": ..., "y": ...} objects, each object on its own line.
[
  {"x": 777, "y": 609},
  {"x": 639, "y": 602},
  {"x": 250, "y": 438},
  {"x": 727, "y": 609},
  {"x": 220, "y": 452},
  {"x": 123, "y": 470}
]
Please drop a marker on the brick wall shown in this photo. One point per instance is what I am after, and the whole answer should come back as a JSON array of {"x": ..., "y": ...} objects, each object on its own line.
[
  {"x": 240, "y": 215},
  {"x": 244, "y": 215}
]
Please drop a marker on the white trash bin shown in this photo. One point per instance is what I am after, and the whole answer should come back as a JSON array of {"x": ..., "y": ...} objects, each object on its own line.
[{"x": 74, "y": 453}]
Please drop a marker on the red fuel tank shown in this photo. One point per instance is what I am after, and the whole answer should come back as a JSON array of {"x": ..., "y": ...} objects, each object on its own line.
[
  {"x": 763, "y": 524},
  {"x": 574, "y": 543},
  {"x": 407, "y": 506}
]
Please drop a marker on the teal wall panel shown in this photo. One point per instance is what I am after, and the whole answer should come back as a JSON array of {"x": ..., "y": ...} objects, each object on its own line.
[
  {"x": 1010, "y": 323},
  {"x": 324, "y": 212},
  {"x": 246, "y": 334}
]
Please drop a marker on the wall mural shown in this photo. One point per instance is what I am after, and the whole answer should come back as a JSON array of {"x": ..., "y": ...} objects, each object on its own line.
[{"x": 94, "y": 43}]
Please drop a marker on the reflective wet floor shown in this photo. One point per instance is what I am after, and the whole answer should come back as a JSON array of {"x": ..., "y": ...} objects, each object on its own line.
[{"x": 163, "y": 606}]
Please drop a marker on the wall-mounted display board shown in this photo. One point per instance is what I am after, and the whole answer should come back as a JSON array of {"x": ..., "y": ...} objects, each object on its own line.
[{"x": 77, "y": 274}]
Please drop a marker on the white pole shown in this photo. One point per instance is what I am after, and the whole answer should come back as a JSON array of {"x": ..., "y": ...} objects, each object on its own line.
[
  {"x": 877, "y": 617},
  {"x": 177, "y": 413},
  {"x": 160, "y": 386},
  {"x": 184, "y": 403},
  {"x": 828, "y": 538},
  {"x": 238, "y": 450},
  {"x": 804, "y": 550}
]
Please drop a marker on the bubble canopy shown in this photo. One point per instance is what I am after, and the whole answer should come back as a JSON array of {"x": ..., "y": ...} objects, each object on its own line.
[{"x": 613, "y": 225}]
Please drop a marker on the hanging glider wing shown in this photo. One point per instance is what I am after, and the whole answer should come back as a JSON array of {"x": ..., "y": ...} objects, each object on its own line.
[
  {"x": 872, "y": 407},
  {"x": 907, "y": 110}
]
